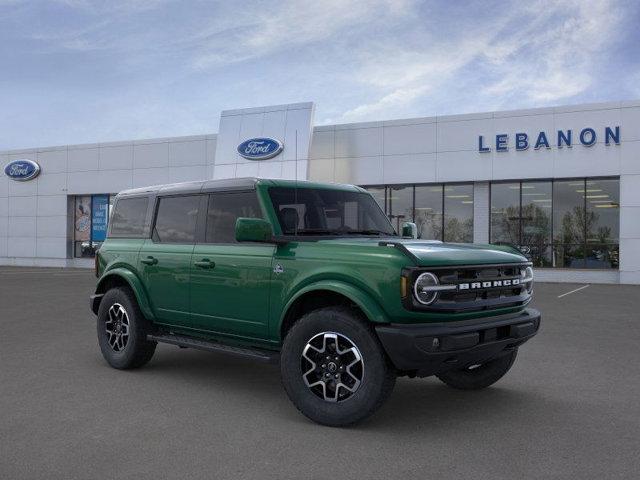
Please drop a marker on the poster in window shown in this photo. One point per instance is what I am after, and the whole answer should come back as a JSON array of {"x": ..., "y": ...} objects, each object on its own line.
[
  {"x": 82, "y": 219},
  {"x": 99, "y": 217}
]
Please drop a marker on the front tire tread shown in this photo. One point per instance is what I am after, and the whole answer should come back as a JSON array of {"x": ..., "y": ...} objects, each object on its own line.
[
  {"x": 139, "y": 350},
  {"x": 350, "y": 323}
]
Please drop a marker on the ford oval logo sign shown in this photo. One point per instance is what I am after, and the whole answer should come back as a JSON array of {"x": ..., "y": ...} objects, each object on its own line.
[
  {"x": 260, "y": 148},
  {"x": 22, "y": 170}
]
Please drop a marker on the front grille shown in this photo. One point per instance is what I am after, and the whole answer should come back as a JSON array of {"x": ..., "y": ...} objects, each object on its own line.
[
  {"x": 482, "y": 288},
  {"x": 470, "y": 275}
]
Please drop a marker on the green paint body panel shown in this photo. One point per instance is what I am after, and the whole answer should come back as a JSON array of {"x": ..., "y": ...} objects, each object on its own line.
[
  {"x": 245, "y": 296},
  {"x": 168, "y": 281},
  {"x": 232, "y": 297},
  {"x": 121, "y": 263}
]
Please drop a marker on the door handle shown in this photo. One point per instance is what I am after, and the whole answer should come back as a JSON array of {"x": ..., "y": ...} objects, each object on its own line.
[
  {"x": 204, "y": 263},
  {"x": 149, "y": 260}
]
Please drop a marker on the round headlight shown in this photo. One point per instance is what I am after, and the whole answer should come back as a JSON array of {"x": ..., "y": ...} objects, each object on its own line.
[
  {"x": 527, "y": 278},
  {"x": 421, "y": 288}
]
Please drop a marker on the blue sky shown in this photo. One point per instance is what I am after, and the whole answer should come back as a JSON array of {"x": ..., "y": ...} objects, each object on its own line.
[{"x": 77, "y": 71}]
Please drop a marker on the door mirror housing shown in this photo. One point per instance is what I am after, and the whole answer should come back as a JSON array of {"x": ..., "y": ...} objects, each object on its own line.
[
  {"x": 409, "y": 229},
  {"x": 253, "y": 230}
]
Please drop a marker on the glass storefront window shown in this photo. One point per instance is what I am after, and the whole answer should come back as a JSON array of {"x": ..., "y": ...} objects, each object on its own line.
[
  {"x": 82, "y": 227},
  {"x": 428, "y": 211},
  {"x": 603, "y": 223},
  {"x": 505, "y": 213},
  {"x": 563, "y": 223},
  {"x": 91, "y": 218},
  {"x": 568, "y": 212},
  {"x": 536, "y": 200},
  {"x": 458, "y": 213},
  {"x": 568, "y": 256},
  {"x": 400, "y": 201},
  {"x": 441, "y": 212},
  {"x": 569, "y": 223},
  {"x": 603, "y": 209}
]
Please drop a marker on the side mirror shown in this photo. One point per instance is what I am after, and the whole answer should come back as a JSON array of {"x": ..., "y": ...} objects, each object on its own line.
[
  {"x": 409, "y": 229},
  {"x": 253, "y": 230}
]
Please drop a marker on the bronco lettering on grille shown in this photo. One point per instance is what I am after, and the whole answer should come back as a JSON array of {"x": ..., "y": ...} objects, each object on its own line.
[{"x": 511, "y": 282}]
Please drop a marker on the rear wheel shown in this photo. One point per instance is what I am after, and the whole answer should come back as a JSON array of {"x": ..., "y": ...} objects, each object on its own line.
[
  {"x": 122, "y": 330},
  {"x": 476, "y": 377},
  {"x": 333, "y": 367}
]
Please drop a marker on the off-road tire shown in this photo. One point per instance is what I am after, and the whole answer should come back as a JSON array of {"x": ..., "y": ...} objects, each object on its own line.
[
  {"x": 137, "y": 350},
  {"x": 378, "y": 377},
  {"x": 482, "y": 376}
]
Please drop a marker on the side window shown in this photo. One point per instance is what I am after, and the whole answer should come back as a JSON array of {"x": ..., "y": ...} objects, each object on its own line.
[
  {"x": 127, "y": 219},
  {"x": 224, "y": 209},
  {"x": 292, "y": 217},
  {"x": 176, "y": 219}
]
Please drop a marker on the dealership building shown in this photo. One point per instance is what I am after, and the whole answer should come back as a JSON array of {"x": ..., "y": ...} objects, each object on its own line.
[{"x": 560, "y": 183}]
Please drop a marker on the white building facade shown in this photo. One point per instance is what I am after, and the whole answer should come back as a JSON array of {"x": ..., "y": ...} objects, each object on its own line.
[{"x": 562, "y": 184}]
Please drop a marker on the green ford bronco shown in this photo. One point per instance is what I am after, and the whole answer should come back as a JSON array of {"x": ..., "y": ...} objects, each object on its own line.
[{"x": 312, "y": 276}]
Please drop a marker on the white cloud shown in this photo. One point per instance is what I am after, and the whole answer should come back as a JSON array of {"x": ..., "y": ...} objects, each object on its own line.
[
  {"x": 398, "y": 98},
  {"x": 543, "y": 52},
  {"x": 555, "y": 63},
  {"x": 160, "y": 68},
  {"x": 286, "y": 25},
  {"x": 404, "y": 77},
  {"x": 112, "y": 6}
]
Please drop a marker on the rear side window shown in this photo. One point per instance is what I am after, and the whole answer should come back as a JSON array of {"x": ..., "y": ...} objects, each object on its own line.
[
  {"x": 176, "y": 219},
  {"x": 127, "y": 219},
  {"x": 224, "y": 209}
]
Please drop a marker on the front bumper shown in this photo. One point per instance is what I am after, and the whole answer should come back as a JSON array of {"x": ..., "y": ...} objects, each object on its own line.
[{"x": 428, "y": 349}]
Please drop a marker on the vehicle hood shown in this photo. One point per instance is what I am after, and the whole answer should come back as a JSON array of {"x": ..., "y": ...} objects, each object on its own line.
[{"x": 433, "y": 253}]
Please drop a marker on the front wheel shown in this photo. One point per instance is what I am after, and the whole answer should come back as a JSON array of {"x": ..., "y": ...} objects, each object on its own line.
[
  {"x": 122, "y": 330},
  {"x": 476, "y": 377},
  {"x": 333, "y": 367}
]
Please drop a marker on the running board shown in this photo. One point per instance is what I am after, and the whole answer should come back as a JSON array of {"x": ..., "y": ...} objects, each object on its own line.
[{"x": 266, "y": 356}]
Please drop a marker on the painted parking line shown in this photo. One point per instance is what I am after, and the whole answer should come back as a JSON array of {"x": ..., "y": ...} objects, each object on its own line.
[{"x": 573, "y": 291}]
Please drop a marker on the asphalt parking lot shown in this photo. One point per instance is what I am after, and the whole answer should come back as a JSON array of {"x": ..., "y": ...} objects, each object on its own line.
[{"x": 569, "y": 408}]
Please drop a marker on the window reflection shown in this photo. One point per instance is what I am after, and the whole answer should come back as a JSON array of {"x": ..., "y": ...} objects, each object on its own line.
[
  {"x": 603, "y": 223},
  {"x": 458, "y": 213},
  {"x": 428, "y": 212},
  {"x": 505, "y": 213},
  {"x": 603, "y": 211},
  {"x": 568, "y": 212},
  {"x": 569, "y": 223},
  {"x": 441, "y": 212},
  {"x": 568, "y": 256},
  {"x": 564, "y": 223},
  {"x": 536, "y": 200},
  {"x": 400, "y": 205}
]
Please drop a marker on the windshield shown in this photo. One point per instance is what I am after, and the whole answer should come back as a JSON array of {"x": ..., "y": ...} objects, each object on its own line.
[{"x": 316, "y": 211}]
